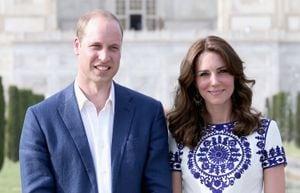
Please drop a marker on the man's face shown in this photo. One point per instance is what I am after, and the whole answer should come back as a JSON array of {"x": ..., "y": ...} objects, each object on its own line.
[{"x": 99, "y": 51}]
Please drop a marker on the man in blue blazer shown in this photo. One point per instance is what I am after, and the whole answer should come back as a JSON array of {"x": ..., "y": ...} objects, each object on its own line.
[{"x": 95, "y": 136}]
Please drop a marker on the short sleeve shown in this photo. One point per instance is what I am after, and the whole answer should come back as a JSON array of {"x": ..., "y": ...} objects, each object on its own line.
[
  {"x": 175, "y": 153},
  {"x": 273, "y": 154}
]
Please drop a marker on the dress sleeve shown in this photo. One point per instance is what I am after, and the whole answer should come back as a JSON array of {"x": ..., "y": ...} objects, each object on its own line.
[
  {"x": 274, "y": 153},
  {"x": 175, "y": 153}
]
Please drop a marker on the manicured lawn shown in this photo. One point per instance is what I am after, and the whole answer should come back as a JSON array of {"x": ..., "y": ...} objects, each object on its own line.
[
  {"x": 10, "y": 173},
  {"x": 10, "y": 178},
  {"x": 292, "y": 150}
]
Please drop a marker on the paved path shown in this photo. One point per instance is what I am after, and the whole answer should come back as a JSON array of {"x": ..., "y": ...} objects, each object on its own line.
[{"x": 293, "y": 168}]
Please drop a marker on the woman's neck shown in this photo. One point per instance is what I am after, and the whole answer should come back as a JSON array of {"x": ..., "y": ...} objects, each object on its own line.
[{"x": 220, "y": 115}]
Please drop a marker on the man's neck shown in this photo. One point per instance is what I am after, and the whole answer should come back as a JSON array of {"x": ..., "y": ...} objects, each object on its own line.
[{"x": 96, "y": 93}]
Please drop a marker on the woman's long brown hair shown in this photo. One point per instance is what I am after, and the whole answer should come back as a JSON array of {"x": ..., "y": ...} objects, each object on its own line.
[{"x": 186, "y": 119}]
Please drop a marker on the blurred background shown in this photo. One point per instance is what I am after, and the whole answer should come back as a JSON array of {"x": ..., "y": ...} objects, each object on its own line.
[{"x": 37, "y": 59}]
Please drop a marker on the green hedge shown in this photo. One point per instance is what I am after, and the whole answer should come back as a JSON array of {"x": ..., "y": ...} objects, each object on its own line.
[
  {"x": 2, "y": 124},
  {"x": 13, "y": 125},
  {"x": 19, "y": 101},
  {"x": 279, "y": 109},
  {"x": 297, "y": 121}
]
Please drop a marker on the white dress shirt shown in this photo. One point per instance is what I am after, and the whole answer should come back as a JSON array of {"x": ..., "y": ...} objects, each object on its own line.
[{"x": 98, "y": 128}]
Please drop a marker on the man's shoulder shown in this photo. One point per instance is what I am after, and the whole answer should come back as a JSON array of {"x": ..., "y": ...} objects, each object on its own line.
[
  {"x": 56, "y": 99},
  {"x": 134, "y": 94}
]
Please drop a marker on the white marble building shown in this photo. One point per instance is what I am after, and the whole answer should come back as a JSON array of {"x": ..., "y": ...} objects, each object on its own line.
[{"x": 36, "y": 38}]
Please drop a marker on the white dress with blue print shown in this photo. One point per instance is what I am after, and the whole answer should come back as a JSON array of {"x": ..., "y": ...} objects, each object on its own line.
[{"x": 225, "y": 163}]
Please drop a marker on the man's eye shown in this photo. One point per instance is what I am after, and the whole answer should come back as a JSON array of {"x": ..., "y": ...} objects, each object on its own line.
[
  {"x": 95, "y": 45},
  {"x": 115, "y": 48}
]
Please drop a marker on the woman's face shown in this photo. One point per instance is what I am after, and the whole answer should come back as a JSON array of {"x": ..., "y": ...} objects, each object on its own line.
[{"x": 215, "y": 84}]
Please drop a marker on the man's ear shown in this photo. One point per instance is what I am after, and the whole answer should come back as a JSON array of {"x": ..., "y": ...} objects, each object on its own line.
[{"x": 76, "y": 46}]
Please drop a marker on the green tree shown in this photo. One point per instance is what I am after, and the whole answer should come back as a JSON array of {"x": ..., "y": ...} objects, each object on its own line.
[
  {"x": 297, "y": 121},
  {"x": 38, "y": 98},
  {"x": 277, "y": 109},
  {"x": 290, "y": 125},
  {"x": 26, "y": 99},
  {"x": 268, "y": 108},
  {"x": 19, "y": 101},
  {"x": 2, "y": 124},
  {"x": 274, "y": 107},
  {"x": 13, "y": 124}
]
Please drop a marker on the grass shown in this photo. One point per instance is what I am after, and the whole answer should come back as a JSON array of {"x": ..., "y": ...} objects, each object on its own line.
[
  {"x": 10, "y": 174},
  {"x": 10, "y": 181},
  {"x": 291, "y": 150}
]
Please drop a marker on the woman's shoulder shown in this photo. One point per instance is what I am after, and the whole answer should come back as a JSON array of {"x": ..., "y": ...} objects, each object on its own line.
[{"x": 267, "y": 124}]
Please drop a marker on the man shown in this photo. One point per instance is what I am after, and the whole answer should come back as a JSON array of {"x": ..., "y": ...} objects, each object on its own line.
[{"x": 95, "y": 136}]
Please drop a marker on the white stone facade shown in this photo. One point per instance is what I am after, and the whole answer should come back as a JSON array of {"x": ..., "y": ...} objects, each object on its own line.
[{"x": 36, "y": 38}]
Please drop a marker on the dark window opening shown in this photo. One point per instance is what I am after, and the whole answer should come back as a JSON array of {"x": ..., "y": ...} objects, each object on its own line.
[{"x": 136, "y": 22}]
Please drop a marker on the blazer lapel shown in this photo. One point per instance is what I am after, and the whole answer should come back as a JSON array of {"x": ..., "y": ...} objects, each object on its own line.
[
  {"x": 71, "y": 116},
  {"x": 124, "y": 110}
]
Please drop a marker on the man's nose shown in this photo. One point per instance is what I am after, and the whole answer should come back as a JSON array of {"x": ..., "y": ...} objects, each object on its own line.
[{"x": 103, "y": 55}]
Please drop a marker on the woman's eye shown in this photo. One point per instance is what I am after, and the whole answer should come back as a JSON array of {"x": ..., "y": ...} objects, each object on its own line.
[
  {"x": 223, "y": 71},
  {"x": 202, "y": 74}
]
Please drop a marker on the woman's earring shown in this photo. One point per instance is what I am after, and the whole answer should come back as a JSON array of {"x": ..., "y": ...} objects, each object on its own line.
[{"x": 197, "y": 99}]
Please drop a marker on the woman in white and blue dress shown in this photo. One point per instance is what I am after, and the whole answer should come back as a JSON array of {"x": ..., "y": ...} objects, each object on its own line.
[{"x": 218, "y": 142}]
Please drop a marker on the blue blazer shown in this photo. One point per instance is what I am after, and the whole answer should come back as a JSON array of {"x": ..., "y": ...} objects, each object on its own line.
[{"x": 55, "y": 155}]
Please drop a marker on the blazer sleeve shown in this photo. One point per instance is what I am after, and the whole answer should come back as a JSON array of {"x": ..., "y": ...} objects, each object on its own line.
[
  {"x": 36, "y": 175},
  {"x": 157, "y": 171}
]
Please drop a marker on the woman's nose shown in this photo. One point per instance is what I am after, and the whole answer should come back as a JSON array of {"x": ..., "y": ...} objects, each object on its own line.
[{"x": 214, "y": 79}]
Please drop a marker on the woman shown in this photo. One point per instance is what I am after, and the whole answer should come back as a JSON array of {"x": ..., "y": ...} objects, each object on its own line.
[{"x": 218, "y": 142}]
